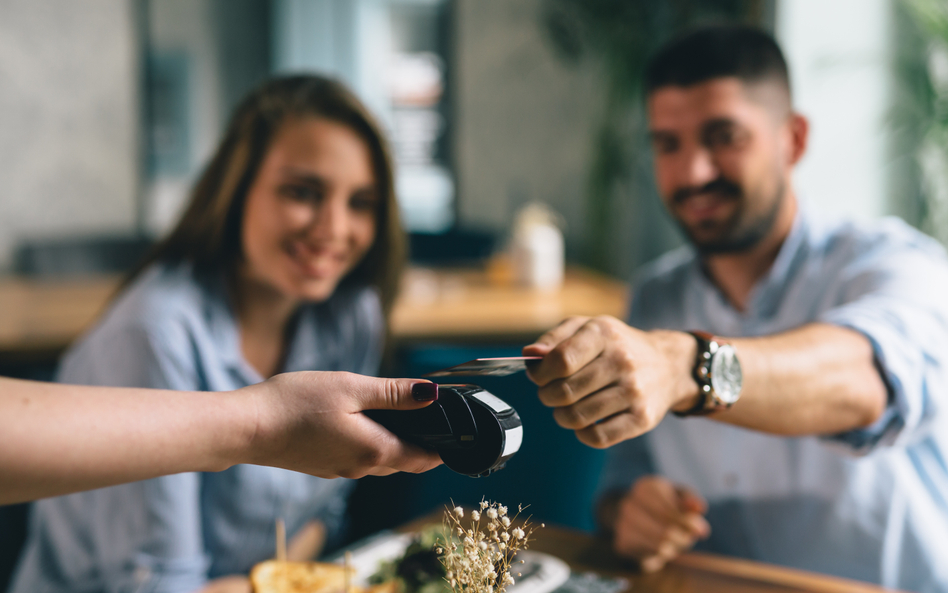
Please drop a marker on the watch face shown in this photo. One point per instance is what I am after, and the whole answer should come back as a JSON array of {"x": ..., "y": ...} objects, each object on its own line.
[{"x": 726, "y": 377}]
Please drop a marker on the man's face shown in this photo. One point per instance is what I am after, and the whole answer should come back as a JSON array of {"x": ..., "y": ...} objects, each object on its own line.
[{"x": 722, "y": 160}]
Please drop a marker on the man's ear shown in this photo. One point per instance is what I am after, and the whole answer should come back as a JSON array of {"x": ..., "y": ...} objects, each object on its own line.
[{"x": 799, "y": 128}]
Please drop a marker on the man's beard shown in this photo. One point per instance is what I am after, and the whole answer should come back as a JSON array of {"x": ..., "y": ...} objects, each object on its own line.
[{"x": 743, "y": 230}]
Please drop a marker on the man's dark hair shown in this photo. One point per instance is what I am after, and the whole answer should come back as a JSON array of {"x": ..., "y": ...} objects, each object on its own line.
[{"x": 739, "y": 51}]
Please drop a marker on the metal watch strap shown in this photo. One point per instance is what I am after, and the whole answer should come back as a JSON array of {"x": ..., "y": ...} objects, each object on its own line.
[{"x": 702, "y": 360}]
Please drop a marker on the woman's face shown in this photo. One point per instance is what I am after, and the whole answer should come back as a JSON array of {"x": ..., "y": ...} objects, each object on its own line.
[{"x": 312, "y": 210}]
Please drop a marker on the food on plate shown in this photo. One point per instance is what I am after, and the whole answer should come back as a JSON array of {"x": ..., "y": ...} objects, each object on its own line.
[
  {"x": 419, "y": 569},
  {"x": 274, "y": 576}
]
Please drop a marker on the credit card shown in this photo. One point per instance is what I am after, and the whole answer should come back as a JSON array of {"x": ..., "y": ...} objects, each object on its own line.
[{"x": 487, "y": 367}]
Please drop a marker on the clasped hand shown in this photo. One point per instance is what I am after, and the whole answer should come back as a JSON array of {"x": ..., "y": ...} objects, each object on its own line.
[{"x": 610, "y": 382}]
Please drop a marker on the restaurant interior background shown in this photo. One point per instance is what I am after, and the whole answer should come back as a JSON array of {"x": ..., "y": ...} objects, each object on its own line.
[{"x": 109, "y": 108}]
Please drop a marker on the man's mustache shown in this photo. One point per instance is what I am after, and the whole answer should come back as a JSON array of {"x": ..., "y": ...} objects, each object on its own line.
[{"x": 718, "y": 186}]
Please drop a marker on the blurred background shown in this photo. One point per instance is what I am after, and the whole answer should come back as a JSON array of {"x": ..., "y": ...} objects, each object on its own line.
[{"x": 110, "y": 108}]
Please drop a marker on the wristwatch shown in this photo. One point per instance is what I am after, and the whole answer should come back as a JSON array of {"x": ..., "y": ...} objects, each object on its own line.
[{"x": 718, "y": 375}]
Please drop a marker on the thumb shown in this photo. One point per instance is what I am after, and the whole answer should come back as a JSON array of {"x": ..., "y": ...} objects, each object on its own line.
[{"x": 399, "y": 394}]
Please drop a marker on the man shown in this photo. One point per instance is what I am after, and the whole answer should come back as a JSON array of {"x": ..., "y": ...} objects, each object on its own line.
[{"x": 814, "y": 430}]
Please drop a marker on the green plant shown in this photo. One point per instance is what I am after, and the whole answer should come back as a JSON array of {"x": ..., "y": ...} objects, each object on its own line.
[
  {"x": 921, "y": 115},
  {"x": 616, "y": 37}
]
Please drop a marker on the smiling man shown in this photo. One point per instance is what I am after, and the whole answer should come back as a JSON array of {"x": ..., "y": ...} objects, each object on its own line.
[{"x": 788, "y": 375}]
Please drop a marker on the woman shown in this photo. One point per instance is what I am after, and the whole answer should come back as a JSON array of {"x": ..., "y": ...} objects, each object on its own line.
[{"x": 286, "y": 259}]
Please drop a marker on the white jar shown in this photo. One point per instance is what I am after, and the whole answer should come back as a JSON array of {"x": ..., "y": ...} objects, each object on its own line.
[{"x": 537, "y": 250}]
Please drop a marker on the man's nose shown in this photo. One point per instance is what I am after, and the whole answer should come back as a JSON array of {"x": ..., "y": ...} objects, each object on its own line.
[{"x": 698, "y": 167}]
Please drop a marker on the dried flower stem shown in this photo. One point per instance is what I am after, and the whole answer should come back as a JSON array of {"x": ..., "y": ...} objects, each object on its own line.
[{"x": 477, "y": 558}]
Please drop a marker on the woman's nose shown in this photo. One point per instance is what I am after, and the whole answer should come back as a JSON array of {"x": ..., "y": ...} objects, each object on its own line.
[{"x": 330, "y": 219}]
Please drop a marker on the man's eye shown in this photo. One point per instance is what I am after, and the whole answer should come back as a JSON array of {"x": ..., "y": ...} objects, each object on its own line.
[
  {"x": 725, "y": 138},
  {"x": 664, "y": 145}
]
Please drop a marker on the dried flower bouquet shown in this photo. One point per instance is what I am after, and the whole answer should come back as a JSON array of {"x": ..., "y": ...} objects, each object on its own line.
[{"x": 479, "y": 559}]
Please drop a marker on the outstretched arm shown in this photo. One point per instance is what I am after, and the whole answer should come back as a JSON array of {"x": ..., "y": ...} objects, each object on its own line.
[
  {"x": 610, "y": 382},
  {"x": 64, "y": 438}
]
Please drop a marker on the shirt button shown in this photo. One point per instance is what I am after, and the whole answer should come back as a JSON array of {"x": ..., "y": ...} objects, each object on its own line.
[{"x": 730, "y": 481}]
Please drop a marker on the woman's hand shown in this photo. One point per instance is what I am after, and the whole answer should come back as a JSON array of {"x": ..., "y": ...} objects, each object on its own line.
[{"x": 312, "y": 422}]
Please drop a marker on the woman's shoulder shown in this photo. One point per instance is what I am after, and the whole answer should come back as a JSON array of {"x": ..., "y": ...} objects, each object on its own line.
[
  {"x": 162, "y": 295},
  {"x": 353, "y": 305},
  {"x": 164, "y": 305}
]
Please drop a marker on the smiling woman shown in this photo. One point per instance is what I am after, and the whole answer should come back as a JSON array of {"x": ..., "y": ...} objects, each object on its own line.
[{"x": 286, "y": 259}]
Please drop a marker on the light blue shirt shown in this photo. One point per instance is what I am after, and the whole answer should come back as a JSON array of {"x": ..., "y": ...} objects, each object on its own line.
[
  {"x": 174, "y": 330},
  {"x": 871, "y": 504}
]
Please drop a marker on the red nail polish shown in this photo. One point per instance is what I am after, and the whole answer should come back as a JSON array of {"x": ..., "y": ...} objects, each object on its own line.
[{"x": 424, "y": 392}]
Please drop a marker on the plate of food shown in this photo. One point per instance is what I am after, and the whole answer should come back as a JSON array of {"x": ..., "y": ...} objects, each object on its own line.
[{"x": 410, "y": 560}]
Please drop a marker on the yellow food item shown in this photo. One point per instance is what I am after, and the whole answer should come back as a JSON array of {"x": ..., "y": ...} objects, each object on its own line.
[{"x": 273, "y": 576}]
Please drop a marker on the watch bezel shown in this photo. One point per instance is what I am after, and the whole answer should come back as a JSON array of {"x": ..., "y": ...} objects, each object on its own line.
[{"x": 723, "y": 388}]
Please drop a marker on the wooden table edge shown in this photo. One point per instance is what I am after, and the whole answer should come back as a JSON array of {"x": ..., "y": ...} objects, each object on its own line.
[{"x": 751, "y": 570}]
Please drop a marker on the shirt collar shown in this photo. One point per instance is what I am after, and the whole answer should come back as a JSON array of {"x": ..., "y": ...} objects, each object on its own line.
[{"x": 767, "y": 293}]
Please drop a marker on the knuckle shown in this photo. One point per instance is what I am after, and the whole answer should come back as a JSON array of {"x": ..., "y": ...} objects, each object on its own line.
[
  {"x": 372, "y": 457},
  {"x": 564, "y": 392},
  {"x": 595, "y": 437},
  {"x": 570, "y": 417},
  {"x": 624, "y": 361},
  {"x": 561, "y": 360}
]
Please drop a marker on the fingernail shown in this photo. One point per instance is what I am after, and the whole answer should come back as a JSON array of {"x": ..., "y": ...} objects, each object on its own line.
[{"x": 424, "y": 392}]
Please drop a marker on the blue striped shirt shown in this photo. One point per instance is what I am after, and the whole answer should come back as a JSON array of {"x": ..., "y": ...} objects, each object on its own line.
[{"x": 870, "y": 504}]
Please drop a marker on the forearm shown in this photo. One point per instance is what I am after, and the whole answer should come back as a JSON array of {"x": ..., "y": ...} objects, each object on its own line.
[
  {"x": 58, "y": 439},
  {"x": 818, "y": 379}
]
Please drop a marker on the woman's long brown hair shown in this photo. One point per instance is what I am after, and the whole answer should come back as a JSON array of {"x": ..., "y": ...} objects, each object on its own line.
[{"x": 208, "y": 234}]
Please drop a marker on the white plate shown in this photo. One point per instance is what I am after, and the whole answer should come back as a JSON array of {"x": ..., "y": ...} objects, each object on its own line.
[{"x": 541, "y": 572}]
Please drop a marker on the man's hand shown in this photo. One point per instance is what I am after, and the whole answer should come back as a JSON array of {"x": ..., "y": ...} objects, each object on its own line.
[
  {"x": 312, "y": 422},
  {"x": 610, "y": 382},
  {"x": 655, "y": 521}
]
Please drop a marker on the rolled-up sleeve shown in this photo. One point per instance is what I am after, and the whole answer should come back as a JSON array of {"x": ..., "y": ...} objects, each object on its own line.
[
  {"x": 151, "y": 538},
  {"x": 896, "y": 294}
]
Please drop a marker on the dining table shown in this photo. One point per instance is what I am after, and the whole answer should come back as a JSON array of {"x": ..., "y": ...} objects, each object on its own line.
[
  {"x": 39, "y": 318},
  {"x": 691, "y": 572}
]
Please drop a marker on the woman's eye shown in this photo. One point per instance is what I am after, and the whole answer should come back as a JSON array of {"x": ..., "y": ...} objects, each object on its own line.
[
  {"x": 301, "y": 193},
  {"x": 363, "y": 203}
]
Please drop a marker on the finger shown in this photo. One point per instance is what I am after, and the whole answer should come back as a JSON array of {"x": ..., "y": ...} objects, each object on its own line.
[
  {"x": 676, "y": 540},
  {"x": 637, "y": 532},
  {"x": 597, "y": 406},
  {"x": 388, "y": 452},
  {"x": 618, "y": 428},
  {"x": 697, "y": 525},
  {"x": 690, "y": 501},
  {"x": 550, "y": 339},
  {"x": 652, "y": 564},
  {"x": 659, "y": 496},
  {"x": 662, "y": 498},
  {"x": 415, "y": 460},
  {"x": 589, "y": 379},
  {"x": 570, "y": 355}
]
